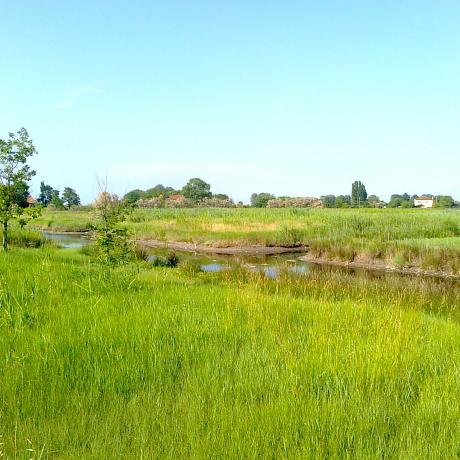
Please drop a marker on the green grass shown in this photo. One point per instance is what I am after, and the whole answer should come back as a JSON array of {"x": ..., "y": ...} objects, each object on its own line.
[
  {"x": 425, "y": 238},
  {"x": 163, "y": 363}
]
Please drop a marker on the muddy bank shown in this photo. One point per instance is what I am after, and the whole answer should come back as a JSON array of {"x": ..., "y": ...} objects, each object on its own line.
[
  {"x": 235, "y": 250},
  {"x": 379, "y": 266}
]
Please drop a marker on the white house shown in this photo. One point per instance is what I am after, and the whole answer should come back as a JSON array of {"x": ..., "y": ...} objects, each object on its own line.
[{"x": 424, "y": 202}]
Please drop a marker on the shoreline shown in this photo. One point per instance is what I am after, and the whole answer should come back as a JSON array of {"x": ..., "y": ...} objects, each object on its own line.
[
  {"x": 381, "y": 267},
  {"x": 232, "y": 250},
  {"x": 255, "y": 250}
]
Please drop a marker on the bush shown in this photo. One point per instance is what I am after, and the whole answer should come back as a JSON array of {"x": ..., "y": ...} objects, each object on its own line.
[
  {"x": 170, "y": 260},
  {"x": 26, "y": 238}
]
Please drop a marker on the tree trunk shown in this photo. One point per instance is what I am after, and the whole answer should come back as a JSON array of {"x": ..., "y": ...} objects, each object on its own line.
[{"x": 5, "y": 236}]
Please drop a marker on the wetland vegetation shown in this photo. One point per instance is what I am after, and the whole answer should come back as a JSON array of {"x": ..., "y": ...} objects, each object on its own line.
[{"x": 145, "y": 362}]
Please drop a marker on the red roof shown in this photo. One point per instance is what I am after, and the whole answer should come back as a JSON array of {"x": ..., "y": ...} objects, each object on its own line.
[{"x": 31, "y": 200}]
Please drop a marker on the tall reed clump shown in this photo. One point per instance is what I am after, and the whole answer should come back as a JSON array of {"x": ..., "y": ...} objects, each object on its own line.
[{"x": 26, "y": 237}]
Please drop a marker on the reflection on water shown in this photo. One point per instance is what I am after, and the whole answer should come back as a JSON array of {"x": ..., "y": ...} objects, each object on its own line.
[
  {"x": 272, "y": 266},
  {"x": 68, "y": 240}
]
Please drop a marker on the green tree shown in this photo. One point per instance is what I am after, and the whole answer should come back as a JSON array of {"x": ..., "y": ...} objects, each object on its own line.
[
  {"x": 444, "y": 201},
  {"x": 56, "y": 200},
  {"x": 260, "y": 200},
  {"x": 160, "y": 191},
  {"x": 196, "y": 189},
  {"x": 401, "y": 201},
  {"x": 134, "y": 195},
  {"x": 14, "y": 173},
  {"x": 46, "y": 194},
  {"x": 358, "y": 194},
  {"x": 112, "y": 239},
  {"x": 70, "y": 197},
  {"x": 329, "y": 201},
  {"x": 21, "y": 194}
]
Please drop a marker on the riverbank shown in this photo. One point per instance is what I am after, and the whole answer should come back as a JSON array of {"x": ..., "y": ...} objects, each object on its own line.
[
  {"x": 236, "y": 250},
  {"x": 428, "y": 240}
]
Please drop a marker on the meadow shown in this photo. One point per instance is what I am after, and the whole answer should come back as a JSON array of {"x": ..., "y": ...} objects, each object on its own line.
[
  {"x": 427, "y": 239},
  {"x": 142, "y": 362}
]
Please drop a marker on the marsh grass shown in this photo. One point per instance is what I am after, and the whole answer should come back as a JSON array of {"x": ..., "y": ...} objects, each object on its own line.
[
  {"x": 163, "y": 363},
  {"x": 415, "y": 237},
  {"x": 25, "y": 237}
]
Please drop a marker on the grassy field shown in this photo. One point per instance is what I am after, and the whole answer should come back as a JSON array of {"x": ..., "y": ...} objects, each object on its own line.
[
  {"x": 425, "y": 238},
  {"x": 170, "y": 363}
]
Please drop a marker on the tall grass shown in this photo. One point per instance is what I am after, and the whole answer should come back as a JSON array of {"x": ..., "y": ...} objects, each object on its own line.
[
  {"x": 162, "y": 363},
  {"x": 425, "y": 238}
]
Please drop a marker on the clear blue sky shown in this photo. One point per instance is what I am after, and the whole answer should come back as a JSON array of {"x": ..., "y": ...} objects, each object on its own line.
[{"x": 290, "y": 97}]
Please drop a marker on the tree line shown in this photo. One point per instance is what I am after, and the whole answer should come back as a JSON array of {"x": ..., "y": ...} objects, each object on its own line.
[{"x": 360, "y": 199}]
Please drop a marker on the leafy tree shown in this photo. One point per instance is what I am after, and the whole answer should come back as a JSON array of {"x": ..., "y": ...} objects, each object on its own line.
[
  {"x": 343, "y": 201},
  {"x": 56, "y": 200},
  {"x": 401, "y": 201},
  {"x": 196, "y": 189},
  {"x": 21, "y": 194},
  {"x": 444, "y": 201},
  {"x": 14, "y": 173},
  {"x": 260, "y": 200},
  {"x": 329, "y": 201},
  {"x": 134, "y": 195},
  {"x": 112, "y": 240},
  {"x": 221, "y": 196},
  {"x": 70, "y": 197},
  {"x": 160, "y": 190},
  {"x": 46, "y": 194},
  {"x": 358, "y": 194}
]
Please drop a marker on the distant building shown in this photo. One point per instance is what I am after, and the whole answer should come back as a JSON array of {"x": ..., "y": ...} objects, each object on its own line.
[
  {"x": 31, "y": 201},
  {"x": 176, "y": 198},
  {"x": 424, "y": 202}
]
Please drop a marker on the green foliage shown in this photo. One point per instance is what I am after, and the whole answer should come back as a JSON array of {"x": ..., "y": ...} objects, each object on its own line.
[
  {"x": 444, "y": 201},
  {"x": 196, "y": 189},
  {"x": 56, "y": 201},
  {"x": 113, "y": 242},
  {"x": 160, "y": 191},
  {"x": 46, "y": 194},
  {"x": 135, "y": 363},
  {"x": 260, "y": 200},
  {"x": 332, "y": 201},
  {"x": 134, "y": 195},
  {"x": 358, "y": 194},
  {"x": 401, "y": 201},
  {"x": 170, "y": 260},
  {"x": 14, "y": 175},
  {"x": 70, "y": 197}
]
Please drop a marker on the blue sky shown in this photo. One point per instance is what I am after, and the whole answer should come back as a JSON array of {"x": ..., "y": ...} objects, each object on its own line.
[{"x": 290, "y": 97}]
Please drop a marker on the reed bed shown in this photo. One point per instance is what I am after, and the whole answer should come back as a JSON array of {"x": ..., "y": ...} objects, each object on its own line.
[
  {"x": 422, "y": 238},
  {"x": 171, "y": 363}
]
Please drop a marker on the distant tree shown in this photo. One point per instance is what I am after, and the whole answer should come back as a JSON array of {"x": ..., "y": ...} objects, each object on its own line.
[
  {"x": 260, "y": 200},
  {"x": 21, "y": 194},
  {"x": 401, "y": 201},
  {"x": 196, "y": 189},
  {"x": 358, "y": 194},
  {"x": 14, "y": 173},
  {"x": 70, "y": 197},
  {"x": 444, "y": 201},
  {"x": 135, "y": 195},
  {"x": 46, "y": 193},
  {"x": 160, "y": 190},
  {"x": 329, "y": 201},
  {"x": 221, "y": 196},
  {"x": 56, "y": 200},
  {"x": 343, "y": 201}
]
